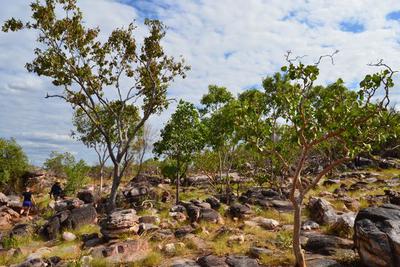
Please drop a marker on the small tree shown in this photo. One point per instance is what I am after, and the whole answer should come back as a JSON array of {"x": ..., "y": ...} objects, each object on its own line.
[
  {"x": 57, "y": 162},
  {"x": 181, "y": 137},
  {"x": 219, "y": 120},
  {"x": 13, "y": 163},
  {"x": 76, "y": 176},
  {"x": 318, "y": 116},
  {"x": 77, "y": 61}
]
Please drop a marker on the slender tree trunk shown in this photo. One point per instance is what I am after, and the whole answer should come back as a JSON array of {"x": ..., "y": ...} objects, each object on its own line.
[
  {"x": 300, "y": 261},
  {"x": 220, "y": 171},
  {"x": 177, "y": 182},
  {"x": 101, "y": 178},
  {"x": 114, "y": 189}
]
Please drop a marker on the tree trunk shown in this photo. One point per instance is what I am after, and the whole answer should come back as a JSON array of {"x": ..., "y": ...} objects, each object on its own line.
[
  {"x": 114, "y": 189},
  {"x": 298, "y": 253},
  {"x": 177, "y": 183},
  {"x": 101, "y": 178}
]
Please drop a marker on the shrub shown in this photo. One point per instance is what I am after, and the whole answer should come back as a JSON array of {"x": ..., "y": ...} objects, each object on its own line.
[
  {"x": 13, "y": 163},
  {"x": 76, "y": 176}
]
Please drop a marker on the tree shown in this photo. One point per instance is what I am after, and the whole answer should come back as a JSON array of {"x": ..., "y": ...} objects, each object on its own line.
[
  {"x": 13, "y": 163},
  {"x": 181, "y": 137},
  {"x": 89, "y": 135},
  {"x": 317, "y": 116},
  {"x": 73, "y": 56},
  {"x": 57, "y": 162},
  {"x": 76, "y": 176},
  {"x": 219, "y": 120}
]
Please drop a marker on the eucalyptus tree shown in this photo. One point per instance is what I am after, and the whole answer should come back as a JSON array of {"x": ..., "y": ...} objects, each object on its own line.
[
  {"x": 317, "y": 116},
  {"x": 181, "y": 138},
  {"x": 126, "y": 78},
  {"x": 218, "y": 117}
]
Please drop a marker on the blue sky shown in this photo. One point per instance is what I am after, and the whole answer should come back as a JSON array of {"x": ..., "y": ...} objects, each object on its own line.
[{"x": 232, "y": 43}]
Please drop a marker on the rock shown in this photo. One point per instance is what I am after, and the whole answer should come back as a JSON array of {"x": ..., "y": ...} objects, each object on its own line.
[
  {"x": 193, "y": 212},
  {"x": 331, "y": 182},
  {"x": 68, "y": 204},
  {"x": 91, "y": 240},
  {"x": 343, "y": 227},
  {"x": 80, "y": 216},
  {"x": 8, "y": 217},
  {"x": 147, "y": 227},
  {"x": 3, "y": 199},
  {"x": 323, "y": 262},
  {"x": 36, "y": 262},
  {"x": 210, "y": 215},
  {"x": 394, "y": 197},
  {"x": 86, "y": 196},
  {"x": 214, "y": 202},
  {"x": 326, "y": 244},
  {"x": 179, "y": 216},
  {"x": 22, "y": 229},
  {"x": 162, "y": 235},
  {"x": 123, "y": 251},
  {"x": 322, "y": 211},
  {"x": 200, "y": 204},
  {"x": 120, "y": 222},
  {"x": 310, "y": 225},
  {"x": 178, "y": 208},
  {"x": 377, "y": 235},
  {"x": 241, "y": 261},
  {"x": 268, "y": 224},
  {"x": 184, "y": 263},
  {"x": 170, "y": 248},
  {"x": 51, "y": 229},
  {"x": 149, "y": 219},
  {"x": 240, "y": 211},
  {"x": 282, "y": 205},
  {"x": 183, "y": 231},
  {"x": 68, "y": 236},
  {"x": 259, "y": 252},
  {"x": 212, "y": 261},
  {"x": 236, "y": 239}
]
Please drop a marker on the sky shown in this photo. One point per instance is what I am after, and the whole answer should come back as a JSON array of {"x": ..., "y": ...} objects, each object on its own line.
[{"x": 232, "y": 43}]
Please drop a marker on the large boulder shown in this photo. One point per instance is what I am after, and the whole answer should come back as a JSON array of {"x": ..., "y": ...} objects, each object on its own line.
[
  {"x": 123, "y": 251},
  {"x": 211, "y": 215},
  {"x": 212, "y": 261},
  {"x": 322, "y": 211},
  {"x": 240, "y": 211},
  {"x": 326, "y": 244},
  {"x": 86, "y": 196},
  {"x": 377, "y": 235},
  {"x": 120, "y": 222},
  {"x": 241, "y": 261}
]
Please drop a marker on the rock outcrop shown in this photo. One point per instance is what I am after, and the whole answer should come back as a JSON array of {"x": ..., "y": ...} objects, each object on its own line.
[{"x": 377, "y": 235}]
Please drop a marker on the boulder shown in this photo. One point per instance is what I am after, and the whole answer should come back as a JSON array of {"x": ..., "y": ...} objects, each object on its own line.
[
  {"x": 214, "y": 202},
  {"x": 80, "y": 216},
  {"x": 393, "y": 196},
  {"x": 210, "y": 215},
  {"x": 326, "y": 244},
  {"x": 193, "y": 212},
  {"x": 86, "y": 196},
  {"x": 123, "y": 251},
  {"x": 344, "y": 225},
  {"x": 120, "y": 222},
  {"x": 322, "y": 211},
  {"x": 241, "y": 261},
  {"x": 3, "y": 199},
  {"x": 36, "y": 262},
  {"x": 212, "y": 261},
  {"x": 68, "y": 204},
  {"x": 68, "y": 236},
  {"x": 259, "y": 252},
  {"x": 377, "y": 235},
  {"x": 240, "y": 211},
  {"x": 183, "y": 231},
  {"x": 149, "y": 219},
  {"x": 184, "y": 263},
  {"x": 309, "y": 225},
  {"x": 268, "y": 224}
]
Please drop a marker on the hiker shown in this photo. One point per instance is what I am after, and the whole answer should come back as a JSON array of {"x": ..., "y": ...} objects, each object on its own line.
[
  {"x": 27, "y": 202},
  {"x": 56, "y": 191}
]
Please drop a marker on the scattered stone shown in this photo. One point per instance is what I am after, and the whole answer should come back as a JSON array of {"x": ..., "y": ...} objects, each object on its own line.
[
  {"x": 236, "y": 239},
  {"x": 268, "y": 224},
  {"x": 344, "y": 225},
  {"x": 68, "y": 236},
  {"x": 211, "y": 215},
  {"x": 212, "y": 261},
  {"x": 326, "y": 244},
  {"x": 214, "y": 202},
  {"x": 183, "y": 231},
  {"x": 120, "y": 222},
  {"x": 240, "y": 211},
  {"x": 86, "y": 196},
  {"x": 149, "y": 219},
  {"x": 322, "y": 211},
  {"x": 241, "y": 261},
  {"x": 184, "y": 263},
  {"x": 259, "y": 252},
  {"x": 310, "y": 225},
  {"x": 394, "y": 197},
  {"x": 68, "y": 204},
  {"x": 147, "y": 227},
  {"x": 179, "y": 216}
]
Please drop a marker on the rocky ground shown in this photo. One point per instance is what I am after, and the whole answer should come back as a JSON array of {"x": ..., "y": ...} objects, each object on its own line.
[{"x": 351, "y": 219}]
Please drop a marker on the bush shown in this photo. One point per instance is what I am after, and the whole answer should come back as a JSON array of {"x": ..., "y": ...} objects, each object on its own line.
[
  {"x": 57, "y": 162},
  {"x": 13, "y": 163},
  {"x": 76, "y": 176}
]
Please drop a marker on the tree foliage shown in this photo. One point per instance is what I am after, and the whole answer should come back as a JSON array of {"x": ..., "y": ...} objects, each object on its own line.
[{"x": 13, "y": 163}]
